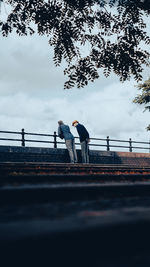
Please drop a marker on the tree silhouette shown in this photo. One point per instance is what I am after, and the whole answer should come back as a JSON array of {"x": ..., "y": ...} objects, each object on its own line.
[{"x": 87, "y": 34}]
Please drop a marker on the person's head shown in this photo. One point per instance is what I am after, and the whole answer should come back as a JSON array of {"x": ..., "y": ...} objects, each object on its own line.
[
  {"x": 75, "y": 123},
  {"x": 60, "y": 122}
]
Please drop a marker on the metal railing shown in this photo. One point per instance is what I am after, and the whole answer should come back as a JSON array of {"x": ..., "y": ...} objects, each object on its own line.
[{"x": 108, "y": 143}]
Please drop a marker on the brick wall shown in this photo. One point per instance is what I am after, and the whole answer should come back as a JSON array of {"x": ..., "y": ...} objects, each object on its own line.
[{"x": 34, "y": 154}]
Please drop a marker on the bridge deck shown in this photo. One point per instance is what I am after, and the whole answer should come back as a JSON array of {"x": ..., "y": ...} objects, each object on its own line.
[{"x": 67, "y": 169}]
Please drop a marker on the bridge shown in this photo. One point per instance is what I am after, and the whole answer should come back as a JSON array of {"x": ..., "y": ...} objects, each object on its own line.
[{"x": 57, "y": 213}]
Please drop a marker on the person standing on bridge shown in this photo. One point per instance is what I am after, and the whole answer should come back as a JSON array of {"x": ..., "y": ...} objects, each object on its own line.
[
  {"x": 84, "y": 140},
  {"x": 64, "y": 133}
]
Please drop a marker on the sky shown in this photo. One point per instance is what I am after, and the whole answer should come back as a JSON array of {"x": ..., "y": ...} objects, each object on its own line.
[{"x": 32, "y": 95}]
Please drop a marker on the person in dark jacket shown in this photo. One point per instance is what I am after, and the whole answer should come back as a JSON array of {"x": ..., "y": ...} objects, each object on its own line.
[
  {"x": 64, "y": 133},
  {"x": 84, "y": 140}
]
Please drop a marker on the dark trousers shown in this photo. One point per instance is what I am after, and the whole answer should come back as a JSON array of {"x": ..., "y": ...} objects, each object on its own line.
[{"x": 85, "y": 152}]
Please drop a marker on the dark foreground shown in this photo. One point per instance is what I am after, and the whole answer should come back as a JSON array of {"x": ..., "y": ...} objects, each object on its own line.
[
  {"x": 74, "y": 215},
  {"x": 108, "y": 228}
]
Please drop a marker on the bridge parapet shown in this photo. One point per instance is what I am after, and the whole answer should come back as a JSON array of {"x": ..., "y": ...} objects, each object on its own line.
[{"x": 59, "y": 155}]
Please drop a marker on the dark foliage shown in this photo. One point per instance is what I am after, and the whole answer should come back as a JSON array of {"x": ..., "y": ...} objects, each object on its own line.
[
  {"x": 112, "y": 39},
  {"x": 144, "y": 97}
]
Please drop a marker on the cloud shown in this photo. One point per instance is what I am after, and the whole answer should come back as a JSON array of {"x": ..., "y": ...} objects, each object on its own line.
[
  {"x": 32, "y": 95},
  {"x": 27, "y": 65},
  {"x": 107, "y": 112}
]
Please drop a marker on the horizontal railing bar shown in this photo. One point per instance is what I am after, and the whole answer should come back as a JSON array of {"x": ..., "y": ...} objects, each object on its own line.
[
  {"x": 136, "y": 142},
  {"x": 39, "y": 134},
  {"x": 65, "y": 143},
  {"x": 98, "y": 139},
  {"x": 10, "y": 132},
  {"x": 119, "y": 146},
  {"x": 140, "y": 147},
  {"x": 96, "y": 145},
  {"x": 28, "y": 133},
  {"x": 105, "y": 139},
  {"x": 113, "y": 140},
  {"x": 121, "y": 141},
  {"x": 9, "y": 139},
  {"x": 127, "y": 141},
  {"x": 80, "y": 144},
  {"x": 129, "y": 147},
  {"x": 38, "y": 141}
]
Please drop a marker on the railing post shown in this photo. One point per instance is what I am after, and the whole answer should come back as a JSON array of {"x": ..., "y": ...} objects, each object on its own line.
[
  {"x": 108, "y": 147},
  {"x": 55, "y": 140},
  {"x": 130, "y": 145},
  {"x": 22, "y": 140}
]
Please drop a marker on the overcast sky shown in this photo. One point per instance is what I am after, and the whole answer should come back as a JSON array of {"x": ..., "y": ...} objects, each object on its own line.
[{"x": 32, "y": 95}]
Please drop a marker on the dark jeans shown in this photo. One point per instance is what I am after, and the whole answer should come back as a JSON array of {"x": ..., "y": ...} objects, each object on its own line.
[{"x": 85, "y": 151}]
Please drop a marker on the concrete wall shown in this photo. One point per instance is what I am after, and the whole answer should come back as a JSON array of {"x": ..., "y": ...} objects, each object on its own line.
[{"x": 35, "y": 154}]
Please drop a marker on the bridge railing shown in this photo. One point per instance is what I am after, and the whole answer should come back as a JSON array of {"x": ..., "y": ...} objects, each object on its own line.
[{"x": 109, "y": 144}]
